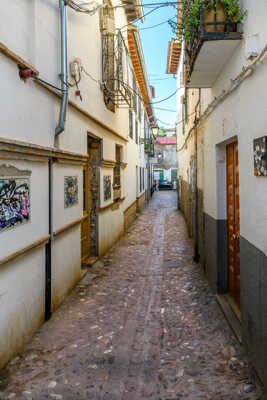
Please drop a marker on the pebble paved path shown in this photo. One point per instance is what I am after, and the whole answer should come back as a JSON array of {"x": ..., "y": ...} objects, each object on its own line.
[{"x": 141, "y": 325}]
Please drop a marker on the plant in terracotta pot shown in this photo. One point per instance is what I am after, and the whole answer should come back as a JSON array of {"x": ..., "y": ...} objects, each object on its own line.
[
  {"x": 225, "y": 10},
  {"x": 233, "y": 11},
  {"x": 209, "y": 16}
]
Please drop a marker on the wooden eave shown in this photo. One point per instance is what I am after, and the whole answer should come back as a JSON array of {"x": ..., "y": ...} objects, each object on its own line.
[
  {"x": 138, "y": 70},
  {"x": 174, "y": 53},
  {"x": 132, "y": 10}
]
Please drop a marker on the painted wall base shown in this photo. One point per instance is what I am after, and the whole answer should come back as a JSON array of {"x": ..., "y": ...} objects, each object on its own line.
[
  {"x": 254, "y": 305},
  {"x": 215, "y": 237},
  {"x": 253, "y": 274},
  {"x": 141, "y": 202},
  {"x": 130, "y": 215}
]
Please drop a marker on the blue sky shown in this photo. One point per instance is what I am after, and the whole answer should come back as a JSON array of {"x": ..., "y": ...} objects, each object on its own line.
[{"x": 155, "y": 47}]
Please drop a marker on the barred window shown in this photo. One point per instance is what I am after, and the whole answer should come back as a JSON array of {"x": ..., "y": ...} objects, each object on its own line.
[
  {"x": 117, "y": 168},
  {"x": 108, "y": 55},
  {"x": 134, "y": 94},
  {"x": 139, "y": 109},
  {"x": 130, "y": 123}
]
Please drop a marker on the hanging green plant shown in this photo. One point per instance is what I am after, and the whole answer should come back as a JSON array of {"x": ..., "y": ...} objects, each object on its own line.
[
  {"x": 233, "y": 11},
  {"x": 189, "y": 27}
]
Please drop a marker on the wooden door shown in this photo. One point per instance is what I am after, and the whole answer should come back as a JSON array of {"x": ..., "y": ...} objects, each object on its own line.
[
  {"x": 89, "y": 228},
  {"x": 233, "y": 222},
  {"x": 94, "y": 153},
  {"x": 85, "y": 238}
]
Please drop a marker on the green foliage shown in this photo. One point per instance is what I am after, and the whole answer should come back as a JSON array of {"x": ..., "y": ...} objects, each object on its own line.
[
  {"x": 191, "y": 15},
  {"x": 233, "y": 11}
]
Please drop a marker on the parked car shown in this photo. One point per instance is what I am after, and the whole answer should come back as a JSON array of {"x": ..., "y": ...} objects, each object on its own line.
[{"x": 165, "y": 185}]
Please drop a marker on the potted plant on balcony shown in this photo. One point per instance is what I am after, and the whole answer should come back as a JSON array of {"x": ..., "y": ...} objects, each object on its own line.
[
  {"x": 225, "y": 10},
  {"x": 209, "y": 16}
]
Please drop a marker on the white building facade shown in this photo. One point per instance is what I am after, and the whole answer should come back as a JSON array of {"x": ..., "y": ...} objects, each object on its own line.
[
  {"x": 222, "y": 166},
  {"x": 64, "y": 191}
]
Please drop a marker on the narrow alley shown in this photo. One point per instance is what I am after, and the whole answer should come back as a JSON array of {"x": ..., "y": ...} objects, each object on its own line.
[{"x": 142, "y": 324}]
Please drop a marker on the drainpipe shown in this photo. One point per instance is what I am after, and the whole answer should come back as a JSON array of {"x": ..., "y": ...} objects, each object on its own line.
[
  {"x": 64, "y": 72},
  {"x": 195, "y": 194},
  {"x": 48, "y": 248}
]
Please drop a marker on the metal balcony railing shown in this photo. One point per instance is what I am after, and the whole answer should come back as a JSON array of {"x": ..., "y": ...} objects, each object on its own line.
[
  {"x": 115, "y": 71},
  {"x": 215, "y": 28}
]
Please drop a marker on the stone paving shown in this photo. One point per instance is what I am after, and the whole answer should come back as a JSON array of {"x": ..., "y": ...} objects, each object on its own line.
[{"x": 142, "y": 324}]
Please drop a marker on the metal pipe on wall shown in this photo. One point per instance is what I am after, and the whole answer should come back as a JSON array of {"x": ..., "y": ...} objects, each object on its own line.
[
  {"x": 64, "y": 68},
  {"x": 48, "y": 247}
]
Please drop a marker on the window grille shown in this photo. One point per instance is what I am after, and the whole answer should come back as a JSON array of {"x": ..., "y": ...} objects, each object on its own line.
[
  {"x": 117, "y": 168},
  {"x": 139, "y": 109},
  {"x": 136, "y": 131},
  {"x": 134, "y": 94},
  {"x": 130, "y": 123},
  {"x": 115, "y": 71}
]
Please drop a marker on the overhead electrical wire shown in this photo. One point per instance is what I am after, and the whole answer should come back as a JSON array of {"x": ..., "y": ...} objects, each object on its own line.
[
  {"x": 178, "y": 122},
  {"x": 35, "y": 77},
  {"x": 164, "y": 109},
  {"x": 166, "y": 98},
  {"x": 116, "y": 79},
  {"x": 165, "y": 123},
  {"x": 154, "y": 26},
  {"x": 140, "y": 18},
  {"x": 161, "y": 79},
  {"x": 164, "y": 4}
]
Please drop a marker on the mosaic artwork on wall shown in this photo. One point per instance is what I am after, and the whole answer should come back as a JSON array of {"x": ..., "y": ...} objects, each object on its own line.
[
  {"x": 70, "y": 191},
  {"x": 107, "y": 187},
  {"x": 260, "y": 156},
  {"x": 14, "y": 201}
]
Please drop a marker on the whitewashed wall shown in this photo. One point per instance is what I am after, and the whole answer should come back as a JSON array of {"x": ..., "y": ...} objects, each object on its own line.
[{"x": 243, "y": 116}]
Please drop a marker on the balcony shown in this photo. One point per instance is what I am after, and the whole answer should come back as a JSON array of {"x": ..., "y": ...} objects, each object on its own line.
[
  {"x": 148, "y": 143},
  {"x": 116, "y": 85},
  {"x": 210, "y": 47}
]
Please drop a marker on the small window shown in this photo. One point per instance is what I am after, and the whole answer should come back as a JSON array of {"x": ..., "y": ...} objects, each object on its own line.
[
  {"x": 107, "y": 23},
  {"x": 136, "y": 131},
  {"x": 117, "y": 168},
  {"x": 134, "y": 94},
  {"x": 139, "y": 108},
  {"x": 186, "y": 105},
  {"x": 130, "y": 123}
]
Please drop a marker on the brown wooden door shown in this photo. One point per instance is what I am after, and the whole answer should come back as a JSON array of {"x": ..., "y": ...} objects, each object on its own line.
[
  {"x": 233, "y": 221},
  {"x": 94, "y": 154},
  {"x": 85, "y": 237},
  {"x": 89, "y": 228}
]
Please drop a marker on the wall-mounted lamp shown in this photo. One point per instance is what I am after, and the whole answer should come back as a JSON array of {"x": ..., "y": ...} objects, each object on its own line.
[{"x": 155, "y": 130}]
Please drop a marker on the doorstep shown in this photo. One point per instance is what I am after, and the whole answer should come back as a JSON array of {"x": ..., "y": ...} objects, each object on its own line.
[
  {"x": 89, "y": 262},
  {"x": 231, "y": 313}
]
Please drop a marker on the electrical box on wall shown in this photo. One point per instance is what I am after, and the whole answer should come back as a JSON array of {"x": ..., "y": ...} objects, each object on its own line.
[{"x": 260, "y": 156}]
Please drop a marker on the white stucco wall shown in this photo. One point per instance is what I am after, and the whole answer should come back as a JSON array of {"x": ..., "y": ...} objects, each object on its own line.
[
  {"x": 241, "y": 116},
  {"x": 35, "y": 36},
  {"x": 30, "y": 113},
  {"x": 22, "y": 296}
]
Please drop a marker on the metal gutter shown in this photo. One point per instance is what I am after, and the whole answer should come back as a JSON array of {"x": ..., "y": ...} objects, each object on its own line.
[{"x": 64, "y": 68}]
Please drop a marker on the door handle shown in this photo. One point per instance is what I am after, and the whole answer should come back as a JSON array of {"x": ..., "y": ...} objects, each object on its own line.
[{"x": 234, "y": 236}]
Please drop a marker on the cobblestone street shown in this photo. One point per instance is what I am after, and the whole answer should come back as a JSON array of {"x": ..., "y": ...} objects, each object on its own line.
[{"x": 142, "y": 324}]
